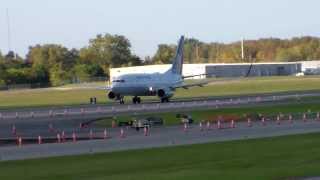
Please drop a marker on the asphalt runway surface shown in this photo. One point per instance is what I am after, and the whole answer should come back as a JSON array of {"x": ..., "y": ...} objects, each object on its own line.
[
  {"x": 159, "y": 137},
  {"x": 96, "y": 111},
  {"x": 48, "y": 122},
  {"x": 87, "y": 108}
]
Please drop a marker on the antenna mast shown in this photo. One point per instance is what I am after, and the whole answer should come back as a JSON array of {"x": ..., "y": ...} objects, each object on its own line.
[
  {"x": 9, "y": 31},
  {"x": 242, "y": 49}
]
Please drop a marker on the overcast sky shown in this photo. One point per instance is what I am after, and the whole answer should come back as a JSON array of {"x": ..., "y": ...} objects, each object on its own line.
[{"x": 148, "y": 23}]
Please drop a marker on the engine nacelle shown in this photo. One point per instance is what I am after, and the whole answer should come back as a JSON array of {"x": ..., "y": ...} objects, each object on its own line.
[
  {"x": 161, "y": 93},
  {"x": 111, "y": 95}
]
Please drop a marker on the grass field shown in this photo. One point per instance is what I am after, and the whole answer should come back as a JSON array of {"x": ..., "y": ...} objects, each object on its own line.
[
  {"x": 52, "y": 97},
  {"x": 269, "y": 158},
  {"x": 295, "y": 108}
]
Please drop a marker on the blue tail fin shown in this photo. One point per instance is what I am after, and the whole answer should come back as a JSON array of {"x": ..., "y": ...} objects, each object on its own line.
[{"x": 178, "y": 60}]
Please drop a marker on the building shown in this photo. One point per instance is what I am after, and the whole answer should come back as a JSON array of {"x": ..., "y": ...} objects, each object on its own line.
[
  {"x": 256, "y": 69},
  {"x": 226, "y": 69}
]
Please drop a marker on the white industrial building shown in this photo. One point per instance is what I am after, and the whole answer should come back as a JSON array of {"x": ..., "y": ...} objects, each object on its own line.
[{"x": 226, "y": 69}]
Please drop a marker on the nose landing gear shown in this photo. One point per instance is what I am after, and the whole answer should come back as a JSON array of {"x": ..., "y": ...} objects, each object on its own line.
[
  {"x": 120, "y": 98},
  {"x": 165, "y": 99}
]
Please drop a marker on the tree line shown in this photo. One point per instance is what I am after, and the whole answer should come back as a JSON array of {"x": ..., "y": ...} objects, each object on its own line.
[
  {"x": 262, "y": 50},
  {"x": 53, "y": 64}
]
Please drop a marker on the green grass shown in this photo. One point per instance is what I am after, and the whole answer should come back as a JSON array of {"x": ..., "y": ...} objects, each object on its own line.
[
  {"x": 268, "y": 158},
  {"x": 295, "y": 108},
  {"x": 54, "y": 97},
  {"x": 28, "y": 98},
  {"x": 256, "y": 85}
]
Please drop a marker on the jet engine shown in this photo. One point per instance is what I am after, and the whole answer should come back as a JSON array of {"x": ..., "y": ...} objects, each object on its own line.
[
  {"x": 111, "y": 95},
  {"x": 161, "y": 93}
]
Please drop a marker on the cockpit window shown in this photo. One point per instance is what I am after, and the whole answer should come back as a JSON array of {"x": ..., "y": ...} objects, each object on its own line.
[{"x": 119, "y": 80}]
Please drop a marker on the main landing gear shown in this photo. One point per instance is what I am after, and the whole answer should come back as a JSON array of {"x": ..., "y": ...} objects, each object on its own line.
[
  {"x": 164, "y": 100},
  {"x": 136, "y": 100}
]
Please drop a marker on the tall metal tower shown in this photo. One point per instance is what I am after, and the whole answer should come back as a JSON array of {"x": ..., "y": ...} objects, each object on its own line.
[
  {"x": 9, "y": 30},
  {"x": 242, "y": 49}
]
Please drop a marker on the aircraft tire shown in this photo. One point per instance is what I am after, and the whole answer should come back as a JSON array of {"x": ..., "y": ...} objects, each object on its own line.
[
  {"x": 164, "y": 100},
  {"x": 134, "y": 100},
  {"x": 121, "y": 101}
]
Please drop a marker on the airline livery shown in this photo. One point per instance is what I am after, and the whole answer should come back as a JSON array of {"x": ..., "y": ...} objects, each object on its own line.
[{"x": 162, "y": 85}]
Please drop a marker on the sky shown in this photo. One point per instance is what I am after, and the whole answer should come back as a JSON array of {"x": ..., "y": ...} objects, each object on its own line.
[{"x": 147, "y": 23}]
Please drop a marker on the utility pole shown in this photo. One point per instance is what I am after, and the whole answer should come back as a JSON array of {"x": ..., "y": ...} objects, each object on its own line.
[
  {"x": 9, "y": 31},
  {"x": 217, "y": 52},
  {"x": 197, "y": 53},
  {"x": 242, "y": 49}
]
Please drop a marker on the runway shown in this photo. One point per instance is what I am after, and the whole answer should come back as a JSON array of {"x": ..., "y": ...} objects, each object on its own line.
[
  {"x": 97, "y": 111},
  {"x": 159, "y": 137},
  {"x": 30, "y": 123},
  {"x": 48, "y": 122}
]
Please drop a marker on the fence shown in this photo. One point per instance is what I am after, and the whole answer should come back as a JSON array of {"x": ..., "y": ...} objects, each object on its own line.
[{"x": 46, "y": 85}]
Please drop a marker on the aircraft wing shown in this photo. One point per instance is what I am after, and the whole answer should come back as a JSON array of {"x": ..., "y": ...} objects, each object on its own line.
[
  {"x": 189, "y": 85},
  {"x": 190, "y": 76},
  {"x": 107, "y": 88},
  {"x": 85, "y": 87},
  {"x": 208, "y": 81}
]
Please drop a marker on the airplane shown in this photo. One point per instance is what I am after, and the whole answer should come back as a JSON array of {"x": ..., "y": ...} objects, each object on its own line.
[{"x": 162, "y": 85}]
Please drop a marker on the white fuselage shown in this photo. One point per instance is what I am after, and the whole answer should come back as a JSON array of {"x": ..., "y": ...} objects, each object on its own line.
[
  {"x": 151, "y": 84},
  {"x": 145, "y": 84}
]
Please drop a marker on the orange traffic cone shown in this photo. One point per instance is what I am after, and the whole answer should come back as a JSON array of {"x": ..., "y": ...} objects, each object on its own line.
[
  {"x": 58, "y": 138},
  {"x": 39, "y": 140},
  {"x": 65, "y": 113},
  {"x": 74, "y": 137},
  {"x": 208, "y": 125},
  {"x": 219, "y": 124},
  {"x": 51, "y": 113},
  {"x": 105, "y": 134},
  {"x": 290, "y": 119},
  {"x": 249, "y": 123},
  {"x": 122, "y": 133},
  {"x": 278, "y": 120},
  {"x": 304, "y": 117},
  {"x": 185, "y": 127},
  {"x": 200, "y": 126},
  {"x": 145, "y": 130},
  {"x": 32, "y": 114},
  {"x": 263, "y": 121},
  {"x": 19, "y": 141},
  {"x": 63, "y": 136},
  {"x": 232, "y": 125}
]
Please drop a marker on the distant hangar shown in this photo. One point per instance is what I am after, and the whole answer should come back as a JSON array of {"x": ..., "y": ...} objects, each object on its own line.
[{"x": 226, "y": 69}]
